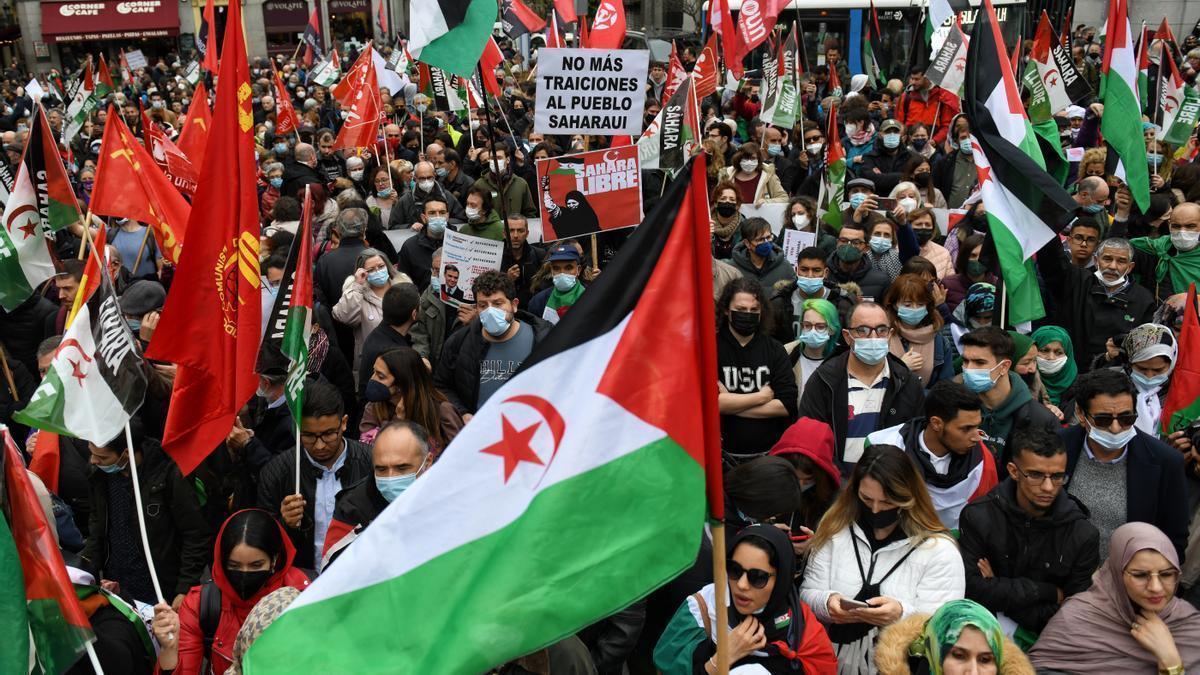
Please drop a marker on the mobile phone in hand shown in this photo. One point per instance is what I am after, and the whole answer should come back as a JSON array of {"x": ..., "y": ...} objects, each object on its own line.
[
  {"x": 887, "y": 203},
  {"x": 849, "y": 604}
]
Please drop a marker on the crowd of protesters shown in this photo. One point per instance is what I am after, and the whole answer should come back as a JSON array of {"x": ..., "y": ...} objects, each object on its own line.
[{"x": 912, "y": 485}]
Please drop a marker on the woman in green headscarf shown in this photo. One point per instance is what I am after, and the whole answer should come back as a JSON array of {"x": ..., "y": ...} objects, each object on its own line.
[
  {"x": 1055, "y": 361},
  {"x": 961, "y": 637}
]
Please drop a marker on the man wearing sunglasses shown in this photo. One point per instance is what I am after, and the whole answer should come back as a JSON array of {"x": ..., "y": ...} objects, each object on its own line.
[
  {"x": 1120, "y": 473},
  {"x": 1028, "y": 545},
  {"x": 863, "y": 389}
]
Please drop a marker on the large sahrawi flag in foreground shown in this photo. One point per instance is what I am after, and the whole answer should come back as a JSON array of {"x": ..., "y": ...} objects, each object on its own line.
[
  {"x": 95, "y": 382},
  {"x": 450, "y": 34},
  {"x": 534, "y": 522},
  {"x": 1020, "y": 197}
]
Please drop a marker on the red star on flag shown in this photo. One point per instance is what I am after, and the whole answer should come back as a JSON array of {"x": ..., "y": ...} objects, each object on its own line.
[
  {"x": 514, "y": 446},
  {"x": 28, "y": 228},
  {"x": 1053, "y": 81},
  {"x": 77, "y": 371},
  {"x": 985, "y": 174}
]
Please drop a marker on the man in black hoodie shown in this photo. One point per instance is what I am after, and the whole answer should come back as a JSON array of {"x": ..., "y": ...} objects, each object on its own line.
[
  {"x": 1028, "y": 545},
  {"x": 849, "y": 264}
]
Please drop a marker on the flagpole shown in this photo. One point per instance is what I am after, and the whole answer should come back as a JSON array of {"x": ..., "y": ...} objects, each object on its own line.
[
  {"x": 297, "y": 457},
  {"x": 141, "y": 516},
  {"x": 141, "y": 249},
  {"x": 720, "y": 586},
  {"x": 86, "y": 223},
  {"x": 91, "y": 652},
  {"x": 8, "y": 376}
]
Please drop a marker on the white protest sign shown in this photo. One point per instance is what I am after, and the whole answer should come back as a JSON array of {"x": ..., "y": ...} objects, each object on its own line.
[
  {"x": 795, "y": 241},
  {"x": 1075, "y": 154},
  {"x": 136, "y": 59},
  {"x": 34, "y": 90},
  {"x": 398, "y": 237},
  {"x": 590, "y": 91},
  {"x": 772, "y": 213},
  {"x": 463, "y": 258}
]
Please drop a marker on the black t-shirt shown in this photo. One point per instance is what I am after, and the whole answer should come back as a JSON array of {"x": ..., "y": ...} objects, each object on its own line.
[{"x": 746, "y": 370}]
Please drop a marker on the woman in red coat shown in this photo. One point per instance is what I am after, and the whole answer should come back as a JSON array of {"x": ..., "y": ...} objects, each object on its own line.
[{"x": 252, "y": 557}]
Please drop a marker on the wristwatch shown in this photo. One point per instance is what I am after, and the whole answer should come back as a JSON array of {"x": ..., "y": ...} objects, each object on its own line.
[{"x": 1176, "y": 669}]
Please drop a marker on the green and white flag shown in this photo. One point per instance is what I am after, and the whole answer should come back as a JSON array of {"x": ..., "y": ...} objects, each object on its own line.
[
  {"x": 1180, "y": 105},
  {"x": 83, "y": 102},
  {"x": 783, "y": 106},
  {"x": 1043, "y": 124},
  {"x": 1020, "y": 197},
  {"x": 25, "y": 260},
  {"x": 328, "y": 72},
  {"x": 534, "y": 522},
  {"x": 96, "y": 382},
  {"x": 833, "y": 188},
  {"x": 299, "y": 318},
  {"x": 192, "y": 73},
  {"x": 1121, "y": 124},
  {"x": 451, "y": 34}
]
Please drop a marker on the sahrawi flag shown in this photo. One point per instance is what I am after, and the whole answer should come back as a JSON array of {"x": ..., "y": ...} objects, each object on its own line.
[
  {"x": 328, "y": 72},
  {"x": 1182, "y": 405},
  {"x": 83, "y": 102},
  {"x": 1064, "y": 84},
  {"x": 450, "y": 34},
  {"x": 949, "y": 67},
  {"x": 1020, "y": 196},
  {"x": 668, "y": 141},
  {"x": 37, "y": 601},
  {"x": 299, "y": 318},
  {"x": 41, "y": 203},
  {"x": 1121, "y": 124},
  {"x": 941, "y": 11},
  {"x": 95, "y": 382},
  {"x": 783, "y": 103},
  {"x": 1180, "y": 106},
  {"x": 833, "y": 188},
  {"x": 495, "y": 550}
]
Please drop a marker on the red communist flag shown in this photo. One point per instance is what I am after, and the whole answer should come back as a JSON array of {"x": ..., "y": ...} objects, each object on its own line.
[
  {"x": 194, "y": 135},
  {"x": 362, "y": 124},
  {"x": 212, "y": 319},
  {"x": 608, "y": 28},
  {"x": 344, "y": 90},
  {"x": 286, "y": 121},
  {"x": 129, "y": 184}
]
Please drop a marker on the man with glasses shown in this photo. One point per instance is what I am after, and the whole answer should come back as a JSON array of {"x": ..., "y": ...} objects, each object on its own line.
[
  {"x": 1120, "y": 473},
  {"x": 849, "y": 264},
  {"x": 863, "y": 389},
  {"x": 720, "y": 133},
  {"x": 757, "y": 257},
  {"x": 810, "y": 157},
  {"x": 1083, "y": 237},
  {"x": 329, "y": 463},
  {"x": 947, "y": 448},
  {"x": 1028, "y": 545},
  {"x": 1094, "y": 305},
  {"x": 987, "y": 370}
]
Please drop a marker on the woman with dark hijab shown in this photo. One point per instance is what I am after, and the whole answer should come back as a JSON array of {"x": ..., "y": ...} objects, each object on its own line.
[{"x": 770, "y": 626}]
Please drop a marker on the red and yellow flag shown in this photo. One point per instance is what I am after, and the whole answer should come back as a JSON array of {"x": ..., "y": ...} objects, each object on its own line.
[
  {"x": 129, "y": 184},
  {"x": 212, "y": 318},
  {"x": 194, "y": 136}
]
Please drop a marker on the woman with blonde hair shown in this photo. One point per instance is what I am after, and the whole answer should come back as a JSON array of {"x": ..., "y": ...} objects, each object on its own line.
[
  {"x": 1092, "y": 163},
  {"x": 716, "y": 162},
  {"x": 879, "y": 555}
]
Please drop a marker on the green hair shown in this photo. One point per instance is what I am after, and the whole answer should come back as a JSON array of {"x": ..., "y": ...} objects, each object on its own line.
[
  {"x": 943, "y": 629},
  {"x": 829, "y": 312}
]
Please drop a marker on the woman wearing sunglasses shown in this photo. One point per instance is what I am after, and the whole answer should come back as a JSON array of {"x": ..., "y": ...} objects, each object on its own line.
[
  {"x": 769, "y": 625},
  {"x": 1129, "y": 621},
  {"x": 879, "y": 555}
]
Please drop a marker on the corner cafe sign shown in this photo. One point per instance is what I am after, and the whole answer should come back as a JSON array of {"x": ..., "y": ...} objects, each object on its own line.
[{"x": 109, "y": 20}]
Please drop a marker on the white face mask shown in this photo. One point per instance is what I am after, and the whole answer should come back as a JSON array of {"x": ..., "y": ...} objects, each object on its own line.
[
  {"x": 357, "y": 174},
  {"x": 1107, "y": 283},
  {"x": 814, "y": 148},
  {"x": 1051, "y": 366},
  {"x": 425, "y": 185},
  {"x": 909, "y": 204},
  {"x": 472, "y": 212},
  {"x": 800, "y": 220},
  {"x": 1185, "y": 240},
  {"x": 749, "y": 165}
]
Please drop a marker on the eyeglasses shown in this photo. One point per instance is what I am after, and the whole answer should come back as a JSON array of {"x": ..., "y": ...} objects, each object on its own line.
[
  {"x": 1105, "y": 420},
  {"x": 882, "y": 330},
  {"x": 842, "y": 241},
  {"x": 814, "y": 326},
  {"x": 327, "y": 437},
  {"x": 757, "y": 578},
  {"x": 1037, "y": 477},
  {"x": 1080, "y": 239},
  {"x": 1167, "y": 578}
]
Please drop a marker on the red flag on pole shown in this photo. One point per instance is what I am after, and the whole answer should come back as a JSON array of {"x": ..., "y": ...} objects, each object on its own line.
[
  {"x": 210, "y": 40},
  {"x": 608, "y": 28},
  {"x": 286, "y": 121},
  {"x": 566, "y": 10},
  {"x": 755, "y": 22},
  {"x": 490, "y": 60},
  {"x": 362, "y": 125},
  {"x": 705, "y": 71},
  {"x": 722, "y": 24},
  {"x": 554, "y": 38},
  {"x": 212, "y": 319},
  {"x": 194, "y": 136},
  {"x": 345, "y": 89}
]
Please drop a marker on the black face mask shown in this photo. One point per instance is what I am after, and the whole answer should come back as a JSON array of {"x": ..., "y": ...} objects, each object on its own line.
[
  {"x": 923, "y": 236},
  {"x": 921, "y": 179},
  {"x": 247, "y": 584},
  {"x": 726, "y": 209},
  {"x": 1028, "y": 378},
  {"x": 743, "y": 323},
  {"x": 877, "y": 521}
]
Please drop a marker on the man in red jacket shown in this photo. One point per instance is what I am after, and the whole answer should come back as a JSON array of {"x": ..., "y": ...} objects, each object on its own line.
[{"x": 925, "y": 103}]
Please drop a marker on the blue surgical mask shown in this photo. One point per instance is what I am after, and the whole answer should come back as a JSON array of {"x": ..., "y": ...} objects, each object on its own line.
[
  {"x": 1110, "y": 441},
  {"x": 437, "y": 226},
  {"x": 979, "y": 380},
  {"x": 441, "y": 172},
  {"x": 1147, "y": 383},
  {"x": 384, "y": 193},
  {"x": 564, "y": 282},
  {"x": 881, "y": 244},
  {"x": 135, "y": 325},
  {"x": 774, "y": 149},
  {"x": 964, "y": 146},
  {"x": 495, "y": 321},
  {"x": 810, "y": 285},
  {"x": 435, "y": 283},
  {"x": 891, "y": 141},
  {"x": 281, "y": 148},
  {"x": 764, "y": 249},
  {"x": 378, "y": 278},
  {"x": 276, "y": 183},
  {"x": 1154, "y": 158},
  {"x": 919, "y": 143},
  {"x": 814, "y": 338},
  {"x": 912, "y": 315},
  {"x": 111, "y": 469},
  {"x": 392, "y": 487},
  {"x": 857, "y": 199},
  {"x": 871, "y": 350}
]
